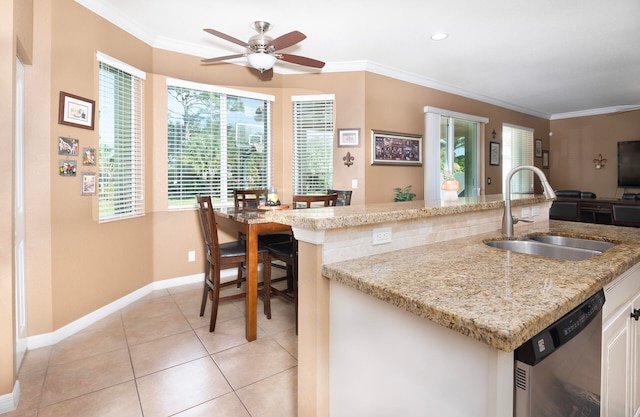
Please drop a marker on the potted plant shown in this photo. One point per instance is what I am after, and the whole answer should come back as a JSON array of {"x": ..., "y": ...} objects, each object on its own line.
[
  {"x": 404, "y": 193},
  {"x": 450, "y": 186}
]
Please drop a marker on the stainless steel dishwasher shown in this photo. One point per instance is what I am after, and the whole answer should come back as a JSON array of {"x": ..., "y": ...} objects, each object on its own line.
[{"x": 557, "y": 372}]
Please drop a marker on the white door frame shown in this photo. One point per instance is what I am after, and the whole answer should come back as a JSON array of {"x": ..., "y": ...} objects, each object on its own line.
[{"x": 19, "y": 220}]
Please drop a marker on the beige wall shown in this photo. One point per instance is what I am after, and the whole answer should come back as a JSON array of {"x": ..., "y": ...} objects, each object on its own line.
[
  {"x": 576, "y": 142},
  {"x": 396, "y": 106},
  {"x": 76, "y": 265}
]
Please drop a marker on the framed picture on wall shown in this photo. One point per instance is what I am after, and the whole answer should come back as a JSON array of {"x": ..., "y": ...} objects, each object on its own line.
[
  {"x": 538, "y": 148},
  {"x": 388, "y": 148},
  {"x": 88, "y": 182},
  {"x": 494, "y": 153},
  {"x": 89, "y": 156},
  {"x": 68, "y": 146},
  {"x": 545, "y": 159},
  {"x": 76, "y": 111},
  {"x": 348, "y": 138}
]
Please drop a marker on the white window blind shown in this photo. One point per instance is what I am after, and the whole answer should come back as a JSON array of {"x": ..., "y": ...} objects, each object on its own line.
[
  {"x": 517, "y": 150},
  {"x": 121, "y": 159},
  {"x": 217, "y": 142},
  {"x": 313, "y": 144}
]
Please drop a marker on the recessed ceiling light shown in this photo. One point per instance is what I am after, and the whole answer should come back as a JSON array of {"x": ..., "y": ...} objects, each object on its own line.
[{"x": 439, "y": 36}]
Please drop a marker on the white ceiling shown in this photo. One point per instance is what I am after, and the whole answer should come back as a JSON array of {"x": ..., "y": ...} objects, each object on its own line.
[{"x": 549, "y": 58}]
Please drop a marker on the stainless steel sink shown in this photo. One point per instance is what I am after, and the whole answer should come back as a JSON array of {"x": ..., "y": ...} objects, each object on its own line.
[
  {"x": 532, "y": 247},
  {"x": 598, "y": 245}
]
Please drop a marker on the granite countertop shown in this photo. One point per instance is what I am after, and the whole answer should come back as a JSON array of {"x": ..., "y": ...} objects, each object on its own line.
[
  {"x": 498, "y": 297},
  {"x": 356, "y": 215}
]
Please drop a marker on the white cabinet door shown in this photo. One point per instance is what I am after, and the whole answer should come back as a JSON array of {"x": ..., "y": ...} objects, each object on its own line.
[
  {"x": 615, "y": 370},
  {"x": 635, "y": 360}
]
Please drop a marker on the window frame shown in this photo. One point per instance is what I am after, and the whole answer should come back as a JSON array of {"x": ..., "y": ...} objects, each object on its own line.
[
  {"x": 302, "y": 186},
  {"x": 129, "y": 161},
  {"x": 222, "y": 198},
  {"x": 521, "y": 153}
]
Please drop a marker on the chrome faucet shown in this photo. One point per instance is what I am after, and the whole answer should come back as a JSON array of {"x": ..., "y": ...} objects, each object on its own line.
[{"x": 508, "y": 220}]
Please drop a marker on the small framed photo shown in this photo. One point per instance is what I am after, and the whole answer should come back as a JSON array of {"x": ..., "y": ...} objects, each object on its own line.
[
  {"x": 538, "y": 148},
  {"x": 68, "y": 146},
  {"x": 89, "y": 156},
  {"x": 389, "y": 148},
  {"x": 348, "y": 138},
  {"x": 494, "y": 153},
  {"x": 67, "y": 167},
  {"x": 545, "y": 159},
  {"x": 76, "y": 111},
  {"x": 88, "y": 183}
]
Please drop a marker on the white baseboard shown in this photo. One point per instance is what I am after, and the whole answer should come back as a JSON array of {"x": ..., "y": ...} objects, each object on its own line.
[
  {"x": 48, "y": 339},
  {"x": 9, "y": 402}
]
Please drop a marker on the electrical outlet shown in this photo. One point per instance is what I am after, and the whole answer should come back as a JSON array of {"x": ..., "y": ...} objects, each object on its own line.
[
  {"x": 381, "y": 235},
  {"x": 535, "y": 211},
  {"x": 526, "y": 212},
  {"x": 191, "y": 256},
  {"x": 354, "y": 184}
]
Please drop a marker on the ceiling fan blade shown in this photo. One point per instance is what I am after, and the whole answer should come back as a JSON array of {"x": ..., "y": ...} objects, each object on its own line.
[
  {"x": 221, "y": 58},
  {"x": 226, "y": 37},
  {"x": 302, "y": 60},
  {"x": 287, "y": 40},
  {"x": 267, "y": 75}
]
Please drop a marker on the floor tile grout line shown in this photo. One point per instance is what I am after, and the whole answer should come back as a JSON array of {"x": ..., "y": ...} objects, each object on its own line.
[{"x": 193, "y": 327}]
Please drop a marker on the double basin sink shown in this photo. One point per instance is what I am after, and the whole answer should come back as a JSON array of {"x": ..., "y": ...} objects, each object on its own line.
[{"x": 554, "y": 246}]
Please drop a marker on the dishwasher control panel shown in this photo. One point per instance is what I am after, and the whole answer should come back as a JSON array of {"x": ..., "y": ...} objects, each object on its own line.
[{"x": 544, "y": 343}]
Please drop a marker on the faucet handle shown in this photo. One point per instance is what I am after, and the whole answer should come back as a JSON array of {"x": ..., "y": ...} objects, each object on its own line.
[{"x": 517, "y": 219}]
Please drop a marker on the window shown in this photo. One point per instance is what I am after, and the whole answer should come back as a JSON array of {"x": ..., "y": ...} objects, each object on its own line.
[
  {"x": 459, "y": 153},
  {"x": 312, "y": 144},
  {"x": 121, "y": 173},
  {"x": 218, "y": 140},
  {"x": 517, "y": 149},
  {"x": 452, "y": 145}
]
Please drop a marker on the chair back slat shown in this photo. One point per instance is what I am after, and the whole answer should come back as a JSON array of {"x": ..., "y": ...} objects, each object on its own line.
[
  {"x": 344, "y": 196},
  {"x": 249, "y": 198},
  {"x": 209, "y": 228},
  {"x": 309, "y": 200}
]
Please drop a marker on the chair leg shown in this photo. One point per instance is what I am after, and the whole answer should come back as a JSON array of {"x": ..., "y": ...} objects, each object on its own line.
[
  {"x": 266, "y": 284},
  {"x": 241, "y": 267},
  {"x": 205, "y": 291},
  {"x": 215, "y": 273}
]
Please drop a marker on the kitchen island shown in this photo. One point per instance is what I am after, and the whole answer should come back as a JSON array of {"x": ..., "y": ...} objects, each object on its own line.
[{"x": 434, "y": 284}]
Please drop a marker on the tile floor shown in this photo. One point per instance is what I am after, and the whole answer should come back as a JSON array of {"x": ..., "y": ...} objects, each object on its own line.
[{"x": 156, "y": 357}]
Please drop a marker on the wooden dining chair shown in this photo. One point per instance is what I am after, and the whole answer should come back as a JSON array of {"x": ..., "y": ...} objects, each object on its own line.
[
  {"x": 344, "y": 196},
  {"x": 309, "y": 201},
  {"x": 221, "y": 255},
  {"x": 287, "y": 252},
  {"x": 252, "y": 199},
  {"x": 249, "y": 198}
]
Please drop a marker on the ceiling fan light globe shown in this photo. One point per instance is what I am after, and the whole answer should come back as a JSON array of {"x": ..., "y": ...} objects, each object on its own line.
[{"x": 261, "y": 61}]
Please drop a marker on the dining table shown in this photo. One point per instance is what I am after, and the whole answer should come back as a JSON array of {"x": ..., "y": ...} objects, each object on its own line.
[{"x": 251, "y": 222}]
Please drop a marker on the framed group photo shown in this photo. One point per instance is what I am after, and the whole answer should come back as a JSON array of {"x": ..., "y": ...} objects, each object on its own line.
[{"x": 389, "y": 148}]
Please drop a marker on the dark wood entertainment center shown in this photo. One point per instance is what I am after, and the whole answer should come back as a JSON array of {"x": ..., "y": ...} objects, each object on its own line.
[{"x": 597, "y": 210}]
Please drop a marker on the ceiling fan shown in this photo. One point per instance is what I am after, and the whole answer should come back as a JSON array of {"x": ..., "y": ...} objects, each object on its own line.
[{"x": 264, "y": 49}]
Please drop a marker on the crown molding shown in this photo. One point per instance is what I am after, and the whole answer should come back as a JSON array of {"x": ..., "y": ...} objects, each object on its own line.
[{"x": 593, "y": 112}]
